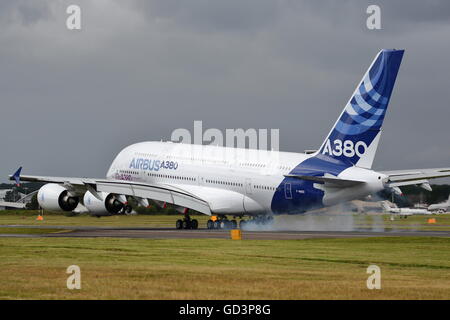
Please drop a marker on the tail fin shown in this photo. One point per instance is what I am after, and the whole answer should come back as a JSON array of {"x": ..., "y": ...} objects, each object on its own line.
[
  {"x": 356, "y": 133},
  {"x": 16, "y": 176}
]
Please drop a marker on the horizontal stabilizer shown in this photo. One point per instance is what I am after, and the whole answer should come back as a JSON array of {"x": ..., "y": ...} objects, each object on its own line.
[{"x": 419, "y": 176}]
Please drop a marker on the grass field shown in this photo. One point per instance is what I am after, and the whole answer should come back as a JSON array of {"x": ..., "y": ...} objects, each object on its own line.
[
  {"x": 411, "y": 268},
  {"x": 35, "y": 268}
]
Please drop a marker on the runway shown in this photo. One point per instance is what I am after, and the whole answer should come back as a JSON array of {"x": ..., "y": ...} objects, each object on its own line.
[{"x": 170, "y": 233}]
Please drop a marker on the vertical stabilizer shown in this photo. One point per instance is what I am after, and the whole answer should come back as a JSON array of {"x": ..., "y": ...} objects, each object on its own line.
[{"x": 356, "y": 133}]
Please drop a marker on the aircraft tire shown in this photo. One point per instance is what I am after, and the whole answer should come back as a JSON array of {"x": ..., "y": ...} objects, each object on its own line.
[
  {"x": 127, "y": 209},
  {"x": 194, "y": 224},
  {"x": 186, "y": 224},
  {"x": 179, "y": 224}
]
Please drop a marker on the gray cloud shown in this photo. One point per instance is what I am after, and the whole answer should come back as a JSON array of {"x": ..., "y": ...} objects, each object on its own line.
[
  {"x": 214, "y": 16},
  {"x": 139, "y": 69},
  {"x": 23, "y": 12}
]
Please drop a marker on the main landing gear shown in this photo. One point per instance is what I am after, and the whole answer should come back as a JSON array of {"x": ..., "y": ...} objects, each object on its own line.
[
  {"x": 221, "y": 222},
  {"x": 187, "y": 223}
]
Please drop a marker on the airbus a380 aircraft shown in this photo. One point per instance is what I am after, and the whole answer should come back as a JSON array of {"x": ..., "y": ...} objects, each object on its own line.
[{"x": 243, "y": 182}]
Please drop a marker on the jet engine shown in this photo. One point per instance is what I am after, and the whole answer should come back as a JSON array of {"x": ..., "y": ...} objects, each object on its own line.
[
  {"x": 55, "y": 197},
  {"x": 109, "y": 204}
]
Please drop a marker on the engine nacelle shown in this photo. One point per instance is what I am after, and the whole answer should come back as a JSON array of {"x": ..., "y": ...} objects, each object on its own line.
[
  {"x": 55, "y": 197},
  {"x": 110, "y": 204}
]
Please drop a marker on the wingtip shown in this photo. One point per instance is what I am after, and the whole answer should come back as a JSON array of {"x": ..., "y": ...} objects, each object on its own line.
[{"x": 16, "y": 176}]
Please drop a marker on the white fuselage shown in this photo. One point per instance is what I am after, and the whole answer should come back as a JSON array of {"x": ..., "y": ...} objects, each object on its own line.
[{"x": 255, "y": 174}]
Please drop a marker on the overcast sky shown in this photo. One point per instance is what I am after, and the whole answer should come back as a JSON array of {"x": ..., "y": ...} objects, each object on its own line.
[{"x": 71, "y": 100}]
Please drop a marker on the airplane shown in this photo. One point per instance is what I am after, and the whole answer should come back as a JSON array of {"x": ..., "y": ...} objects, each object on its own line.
[
  {"x": 440, "y": 207},
  {"x": 237, "y": 182},
  {"x": 403, "y": 212}
]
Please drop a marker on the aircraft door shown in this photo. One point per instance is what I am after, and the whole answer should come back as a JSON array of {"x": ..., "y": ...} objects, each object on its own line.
[
  {"x": 288, "y": 190},
  {"x": 248, "y": 186}
]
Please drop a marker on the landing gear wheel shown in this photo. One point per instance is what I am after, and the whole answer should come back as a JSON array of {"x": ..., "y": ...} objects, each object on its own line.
[
  {"x": 216, "y": 224},
  {"x": 194, "y": 224},
  {"x": 242, "y": 224},
  {"x": 179, "y": 224},
  {"x": 223, "y": 224},
  {"x": 186, "y": 224},
  {"x": 233, "y": 224},
  {"x": 210, "y": 224},
  {"x": 127, "y": 209}
]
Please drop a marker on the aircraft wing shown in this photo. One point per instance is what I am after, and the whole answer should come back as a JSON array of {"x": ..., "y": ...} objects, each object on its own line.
[
  {"x": 399, "y": 178},
  {"x": 199, "y": 198},
  {"x": 176, "y": 195},
  {"x": 161, "y": 192},
  {"x": 48, "y": 179}
]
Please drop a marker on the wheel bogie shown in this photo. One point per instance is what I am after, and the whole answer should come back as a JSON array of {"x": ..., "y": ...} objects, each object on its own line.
[{"x": 187, "y": 223}]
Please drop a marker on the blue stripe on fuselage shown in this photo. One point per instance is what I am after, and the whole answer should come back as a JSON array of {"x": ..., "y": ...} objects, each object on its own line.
[{"x": 304, "y": 196}]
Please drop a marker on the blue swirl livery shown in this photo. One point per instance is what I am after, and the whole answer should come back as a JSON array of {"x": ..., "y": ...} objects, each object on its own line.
[
  {"x": 356, "y": 133},
  {"x": 351, "y": 142}
]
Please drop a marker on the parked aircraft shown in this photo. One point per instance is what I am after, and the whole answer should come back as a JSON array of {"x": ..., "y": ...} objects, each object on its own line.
[
  {"x": 440, "y": 207},
  {"x": 403, "y": 211}
]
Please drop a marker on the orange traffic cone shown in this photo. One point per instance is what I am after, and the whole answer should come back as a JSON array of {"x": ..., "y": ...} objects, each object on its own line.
[
  {"x": 432, "y": 220},
  {"x": 40, "y": 216},
  {"x": 236, "y": 234}
]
